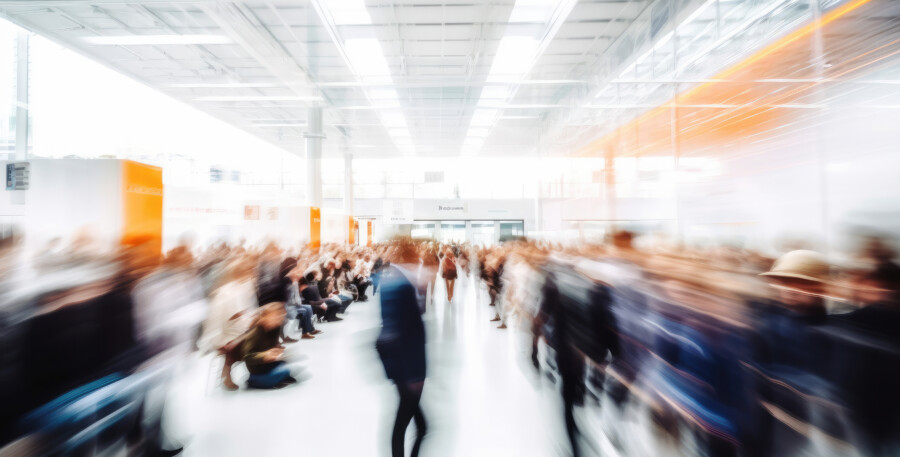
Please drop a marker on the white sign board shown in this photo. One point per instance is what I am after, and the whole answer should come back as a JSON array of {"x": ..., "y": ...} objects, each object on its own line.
[{"x": 398, "y": 212}]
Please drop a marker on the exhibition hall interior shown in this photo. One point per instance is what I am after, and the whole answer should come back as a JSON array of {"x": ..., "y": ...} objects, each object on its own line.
[{"x": 573, "y": 228}]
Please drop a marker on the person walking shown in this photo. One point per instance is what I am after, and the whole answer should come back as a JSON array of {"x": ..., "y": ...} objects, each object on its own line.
[
  {"x": 449, "y": 272},
  {"x": 401, "y": 344}
]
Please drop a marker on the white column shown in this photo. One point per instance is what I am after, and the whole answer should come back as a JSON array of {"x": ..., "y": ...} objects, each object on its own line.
[
  {"x": 22, "y": 96},
  {"x": 314, "y": 137},
  {"x": 348, "y": 184}
]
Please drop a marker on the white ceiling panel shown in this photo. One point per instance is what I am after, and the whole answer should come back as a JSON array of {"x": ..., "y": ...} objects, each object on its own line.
[{"x": 440, "y": 54}]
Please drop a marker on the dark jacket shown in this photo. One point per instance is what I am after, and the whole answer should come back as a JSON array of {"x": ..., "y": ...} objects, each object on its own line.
[
  {"x": 326, "y": 285},
  {"x": 311, "y": 295},
  {"x": 257, "y": 343},
  {"x": 401, "y": 343},
  {"x": 269, "y": 288}
]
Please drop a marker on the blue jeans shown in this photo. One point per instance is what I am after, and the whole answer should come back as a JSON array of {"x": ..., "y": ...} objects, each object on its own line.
[
  {"x": 345, "y": 302},
  {"x": 278, "y": 373},
  {"x": 304, "y": 314}
]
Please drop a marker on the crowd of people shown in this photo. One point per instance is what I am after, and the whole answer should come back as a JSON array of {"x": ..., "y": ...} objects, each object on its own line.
[
  {"x": 722, "y": 351},
  {"x": 718, "y": 352},
  {"x": 76, "y": 322}
]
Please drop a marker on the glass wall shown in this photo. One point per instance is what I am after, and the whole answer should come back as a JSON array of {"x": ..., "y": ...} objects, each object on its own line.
[
  {"x": 8, "y": 70},
  {"x": 751, "y": 122},
  {"x": 453, "y": 231},
  {"x": 483, "y": 233}
]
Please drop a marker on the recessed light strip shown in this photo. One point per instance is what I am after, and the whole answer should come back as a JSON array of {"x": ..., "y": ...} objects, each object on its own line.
[{"x": 149, "y": 40}]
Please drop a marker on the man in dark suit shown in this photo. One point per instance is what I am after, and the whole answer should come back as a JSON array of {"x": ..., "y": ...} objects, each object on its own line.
[{"x": 401, "y": 344}]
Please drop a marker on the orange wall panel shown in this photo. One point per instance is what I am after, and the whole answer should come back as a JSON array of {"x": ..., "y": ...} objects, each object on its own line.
[
  {"x": 315, "y": 227},
  {"x": 142, "y": 204}
]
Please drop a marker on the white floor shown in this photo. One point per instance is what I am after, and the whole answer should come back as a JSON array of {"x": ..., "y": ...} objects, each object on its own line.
[{"x": 481, "y": 398}]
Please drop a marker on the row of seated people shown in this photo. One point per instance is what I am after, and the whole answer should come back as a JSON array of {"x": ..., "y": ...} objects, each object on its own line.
[
  {"x": 723, "y": 351},
  {"x": 306, "y": 287},
  {"x": 81, "y": 329}
]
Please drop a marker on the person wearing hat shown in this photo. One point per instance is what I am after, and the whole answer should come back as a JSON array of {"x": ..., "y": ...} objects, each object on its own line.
[{"x": 793, "y": 354}]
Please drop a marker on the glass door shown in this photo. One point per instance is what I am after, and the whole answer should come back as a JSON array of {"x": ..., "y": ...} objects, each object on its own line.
[
  {"x": 510, "y": 230},
  {"x": 453, "y": 231},
  {"x": 483, "y": 233},
  {"x": 423, "y": 230}
]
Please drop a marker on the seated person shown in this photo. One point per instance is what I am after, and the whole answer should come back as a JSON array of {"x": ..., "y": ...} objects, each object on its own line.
[
  {"x": 309, "y": 290},
  {"x": 361, "y": 273},
  {"x": 263, "y": 351},
  {"x": 296, "y": 309},
  {"x": 330, "y": 289}
]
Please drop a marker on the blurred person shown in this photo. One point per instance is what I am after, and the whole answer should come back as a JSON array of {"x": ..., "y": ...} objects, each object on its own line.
[
  {"x": 263, "y": 353},
  {"x": 463, "y": 260},
  {"x": 448, "y": 272},
  {"x": 268, "y": 278},
  {"x": 345, "y": 281},
  {"x": 310, "y": 291},
  {"x": 295, "y": 307},
  {"x": 794, "y": 357},
  {"x": 401, "y": 344},
  {"x": 170, "y": 305},
  {"x": 362, "y": 276},
  {"x": 328, "y": 285},
  {"x": 871, "y": 356},
  {"x": 494, "y": 273},
  {"x": 376, "y": 271},
  {"x": 232, "y": 310}
]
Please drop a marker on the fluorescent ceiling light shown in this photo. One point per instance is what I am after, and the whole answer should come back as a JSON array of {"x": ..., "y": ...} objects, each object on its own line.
[
  {"x": 222, "y": 85},
  {"x": 261, "y": 98},
  {"x": 368, "y": 60},
  {"x": 365, "y": 57},
  {"x": 279, "y": 125},
  {"x": 348, "y": 12},
  {"x": 495, "y": 93},
  {"x": 540, "y": 11},
  {"x": 516, "y": 55},
  {"x": 393, "y": 119},
  {"x": 399, "y": 132},
  {"x": 478, "y": 132},
  {"x": 138, "y": 40},
  {"x": 514, "y": 58},
  {"x": 484, "y": 117}
]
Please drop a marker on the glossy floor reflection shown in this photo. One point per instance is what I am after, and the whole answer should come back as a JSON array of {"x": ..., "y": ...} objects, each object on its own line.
[{"x": 481, "y": 397}]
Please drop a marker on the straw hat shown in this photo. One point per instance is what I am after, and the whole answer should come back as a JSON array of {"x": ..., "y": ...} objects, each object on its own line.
[{"x": 801, "y": 264}]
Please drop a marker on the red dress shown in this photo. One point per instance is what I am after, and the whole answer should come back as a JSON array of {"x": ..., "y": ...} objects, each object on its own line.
[{"x": 449, "y": 269}]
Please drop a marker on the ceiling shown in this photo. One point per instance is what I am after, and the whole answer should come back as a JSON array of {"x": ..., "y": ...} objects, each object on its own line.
[
  {"x": 261, "y": 64},
  {"x": 426, "y": 78}
]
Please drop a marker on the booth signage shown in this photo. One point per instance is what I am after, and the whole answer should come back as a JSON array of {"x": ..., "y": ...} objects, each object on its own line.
[
  {"x": 17, "y": 174},
  {"x": 398, "y": 212},
  {"x": 251, "y": 212}
]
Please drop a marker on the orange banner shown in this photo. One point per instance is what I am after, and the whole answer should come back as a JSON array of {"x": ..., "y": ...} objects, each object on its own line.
[
  {"x": 351, "y": 236},
  {"x": 369, "y": 234},
  {"x": 315, "y": 227},
  {"x": 142, "y": 204}
]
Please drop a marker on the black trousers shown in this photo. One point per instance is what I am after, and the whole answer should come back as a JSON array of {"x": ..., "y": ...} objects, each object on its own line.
[
  {"x": 334, "y": 305},
  {"x": 361, "y": 286},
  {"x": 407, "y": 410}
]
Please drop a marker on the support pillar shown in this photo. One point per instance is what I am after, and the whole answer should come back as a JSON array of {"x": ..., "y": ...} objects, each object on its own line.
[
  {"x": 314, "y": 137},
  {"x": 348, "y": 196},
  {"x": 22, "y": 96},
  {"x": 348, "y": 184}
]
